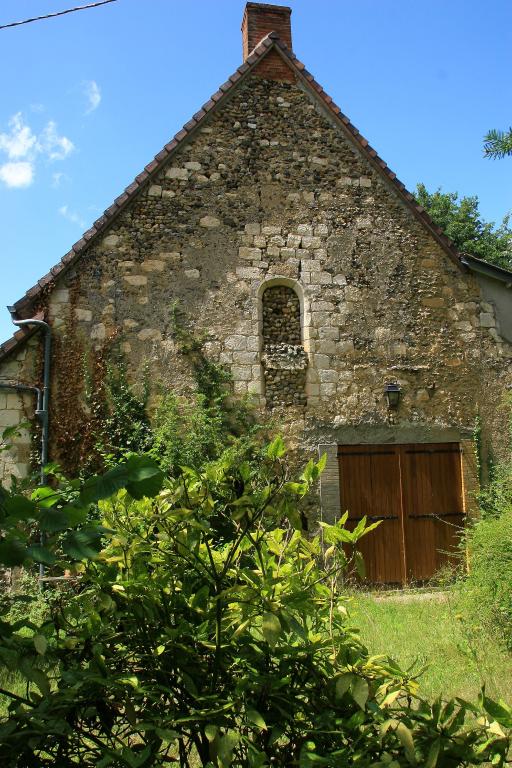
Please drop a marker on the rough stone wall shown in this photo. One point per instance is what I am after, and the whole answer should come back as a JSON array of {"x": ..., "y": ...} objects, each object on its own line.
[
  {"x": 17, "y": 409},
  {"x": 270, "y": 190}
]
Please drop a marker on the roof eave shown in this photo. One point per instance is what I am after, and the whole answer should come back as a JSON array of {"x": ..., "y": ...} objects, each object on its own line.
[{"x": 488, "y": 270}]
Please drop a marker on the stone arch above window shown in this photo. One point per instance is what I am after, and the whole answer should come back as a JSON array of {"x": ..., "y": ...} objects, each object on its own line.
[{"x": 283, "y": 356}]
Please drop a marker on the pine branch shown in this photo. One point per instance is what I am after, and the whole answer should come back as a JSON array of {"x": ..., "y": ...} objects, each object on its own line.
[{"x": 498, "y": 144}]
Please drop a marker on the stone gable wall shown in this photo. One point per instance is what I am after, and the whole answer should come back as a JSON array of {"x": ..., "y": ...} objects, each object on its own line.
[{"x": 269, "y": 191}]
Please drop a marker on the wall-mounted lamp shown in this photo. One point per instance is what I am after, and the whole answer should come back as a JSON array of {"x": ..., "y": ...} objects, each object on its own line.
[{"x": 393, "y": 393}]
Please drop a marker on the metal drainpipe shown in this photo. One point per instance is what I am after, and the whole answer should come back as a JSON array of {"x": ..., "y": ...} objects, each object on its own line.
[{"x": 43, "y": 411}]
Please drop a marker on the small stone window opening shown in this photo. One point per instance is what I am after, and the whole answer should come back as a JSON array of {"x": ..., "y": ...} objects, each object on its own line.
[{"x": 284, "y": 359}]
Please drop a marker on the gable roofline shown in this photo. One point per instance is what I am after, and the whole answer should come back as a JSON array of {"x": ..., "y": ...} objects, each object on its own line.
[{"x": 21, "y": 308}]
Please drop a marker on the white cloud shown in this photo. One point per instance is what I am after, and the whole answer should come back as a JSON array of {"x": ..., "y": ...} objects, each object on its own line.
[
  {"x": 56, "y": 147},
  {"x": 92, "y": 94},
  {"x": 58, "y": 178},
  {"x": 23, "y": 147},
  {"x": 71, "y": 216},
  {"x": 20, "y": 142},
  {"x": 17, "y": 174}
]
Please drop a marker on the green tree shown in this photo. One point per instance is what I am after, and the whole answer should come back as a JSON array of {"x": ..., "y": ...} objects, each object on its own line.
[
  {"x": 461, "y": 221},
  {"x": 498, "y": 144}
]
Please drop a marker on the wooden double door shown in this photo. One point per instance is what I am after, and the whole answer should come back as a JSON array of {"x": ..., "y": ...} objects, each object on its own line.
[{"x": 415, "y": 490}]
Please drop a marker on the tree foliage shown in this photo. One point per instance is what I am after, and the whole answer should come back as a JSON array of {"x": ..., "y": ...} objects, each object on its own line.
[
  {"x": 461, "y": 221},
  {"x": 498, "y": 144},
  {"x": 207, "y": 629}
]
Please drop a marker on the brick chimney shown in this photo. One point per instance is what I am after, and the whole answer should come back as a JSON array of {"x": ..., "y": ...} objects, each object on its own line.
[{"x": 260, "y": 19}]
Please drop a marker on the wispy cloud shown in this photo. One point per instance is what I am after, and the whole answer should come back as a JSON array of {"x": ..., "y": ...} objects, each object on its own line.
[
  {"x": 23, "y": 147},
  {"x": 17, "y": 174},
  {"x": 71, "y": 216},
  {"x": 93, "y": 95},
  {"x": 58, "y": 178},
  {"x": 56, "y": 147}
]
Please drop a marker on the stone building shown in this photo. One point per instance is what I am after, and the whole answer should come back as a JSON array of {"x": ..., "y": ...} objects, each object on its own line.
[{"x": 327, "y": 292}]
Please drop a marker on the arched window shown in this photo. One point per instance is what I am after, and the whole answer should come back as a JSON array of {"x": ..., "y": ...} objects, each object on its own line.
[{"x": 284, "y": 359}]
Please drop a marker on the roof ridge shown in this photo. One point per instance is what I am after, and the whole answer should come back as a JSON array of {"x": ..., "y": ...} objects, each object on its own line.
[{"x": 270, "y": 41}]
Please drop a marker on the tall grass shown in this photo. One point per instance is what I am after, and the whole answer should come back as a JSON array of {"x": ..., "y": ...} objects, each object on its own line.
[
  {"x": 432, "y": 635},
  {"x": 486, "y": 592}
]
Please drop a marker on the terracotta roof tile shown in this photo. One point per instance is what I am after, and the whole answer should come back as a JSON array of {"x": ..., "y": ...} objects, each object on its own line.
[
  {"x": 100, "y": 221},
  {"x": 45, "y": 280},
  {"x": 121, "y": 199},
  {"x": 80, "y": 244},
  {"x": 110, "y": 210}
]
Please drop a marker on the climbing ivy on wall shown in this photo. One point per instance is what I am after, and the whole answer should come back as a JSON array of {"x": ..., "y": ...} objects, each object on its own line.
[
  {"x": 192, "y": 430},
  {"x": 100, "y": 415}
]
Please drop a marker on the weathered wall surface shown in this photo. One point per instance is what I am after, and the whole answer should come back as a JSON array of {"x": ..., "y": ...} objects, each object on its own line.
[
  {"x": 270, "y": 190},
  {"x": 17, "y": 410}
]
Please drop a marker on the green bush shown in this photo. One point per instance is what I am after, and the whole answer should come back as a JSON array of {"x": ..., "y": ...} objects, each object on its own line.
[
  {"x": 495, "y": 497},
  {"x": 209, "y": 630},
  {"x": 486, "y": 592},
  {"x": 187, "y": 432}
]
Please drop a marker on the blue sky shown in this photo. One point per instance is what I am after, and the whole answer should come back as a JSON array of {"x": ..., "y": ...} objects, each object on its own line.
[{"x": 88, "y": 99}]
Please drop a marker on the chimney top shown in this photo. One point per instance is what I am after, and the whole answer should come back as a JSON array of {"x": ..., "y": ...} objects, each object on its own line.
[{"x": 262, "y": 18}]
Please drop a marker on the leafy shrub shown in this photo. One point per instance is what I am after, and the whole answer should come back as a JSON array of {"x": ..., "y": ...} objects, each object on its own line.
[
  {"x": 190, "y": 431},
  {"x": 25, "y": 600},
  {"x": 495, "y": 497},
  {"x": 210, "y": 630},
  {"x": 187, "y": 432},
  {"x": 486, "y": 592},
  {"x": 123, "y": 424}
]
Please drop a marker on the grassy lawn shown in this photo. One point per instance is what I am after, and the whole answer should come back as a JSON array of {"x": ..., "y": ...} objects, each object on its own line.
[{"x": 429, "y": 633}]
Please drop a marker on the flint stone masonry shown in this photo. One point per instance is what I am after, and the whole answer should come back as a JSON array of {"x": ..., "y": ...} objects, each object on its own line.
[
  {"x": 281, "y": 315},
  {"x": 242, "y": 205},
  {"x": 284, "y": 359}
]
